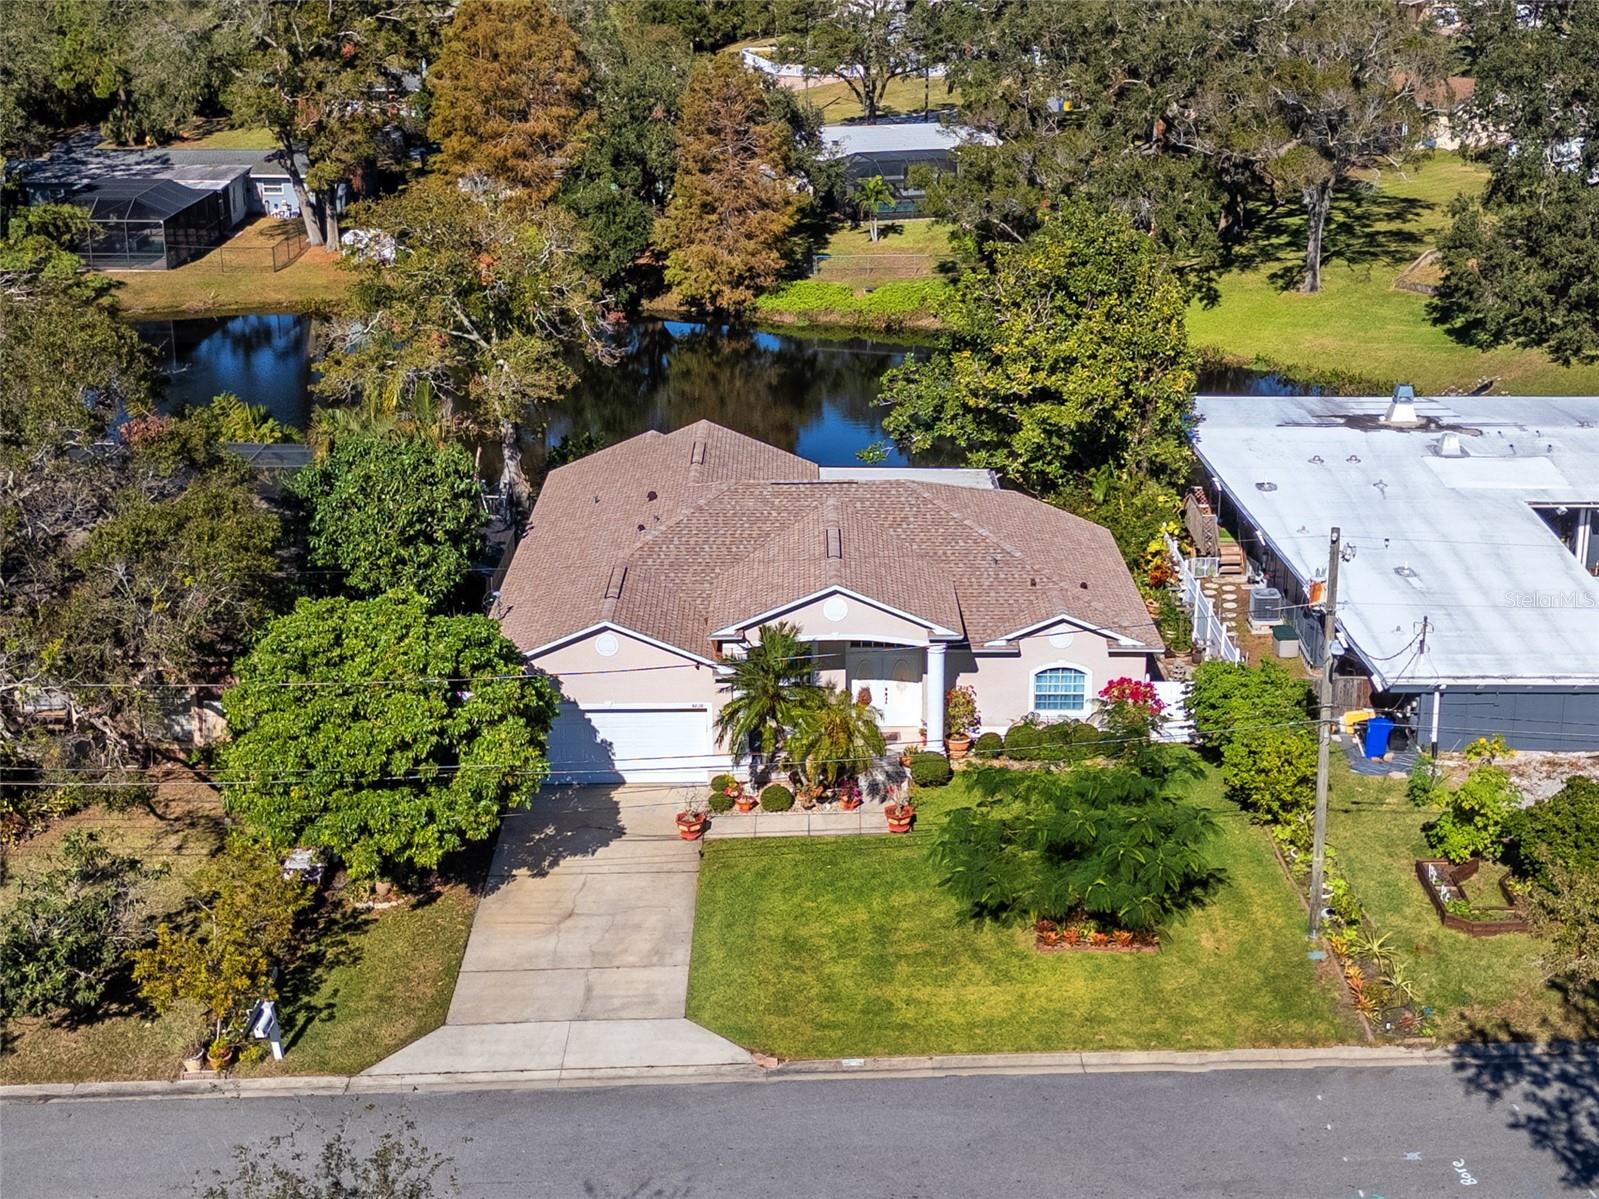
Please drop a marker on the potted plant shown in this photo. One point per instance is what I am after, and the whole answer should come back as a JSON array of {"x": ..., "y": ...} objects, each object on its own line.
[
  {"x": 691, "y": 822},
  {"x": 960, "y": 720},
  {"x": 848, "y": 794},
  {"x": 194, "y": 1061},
  {"x": 744, "y": 801},
  {"x": 899, "y": 814},
  {"x": 219, "y": 1054}
]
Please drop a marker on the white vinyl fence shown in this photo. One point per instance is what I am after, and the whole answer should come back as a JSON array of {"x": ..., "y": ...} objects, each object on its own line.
[{"x": 1210, "y": 630}]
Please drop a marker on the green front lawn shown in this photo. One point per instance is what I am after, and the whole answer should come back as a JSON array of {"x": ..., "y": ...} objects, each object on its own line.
[
  {"x": 1476, "y": 986},
  {"x": 835, "y": 947},
  {"x": 1360, "y": 322}
]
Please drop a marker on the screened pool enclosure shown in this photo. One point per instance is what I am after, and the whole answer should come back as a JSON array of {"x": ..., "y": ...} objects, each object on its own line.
[{"x": 149, "y": 224}]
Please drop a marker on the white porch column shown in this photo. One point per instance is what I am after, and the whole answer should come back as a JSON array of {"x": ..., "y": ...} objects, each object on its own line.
[{"x": 935, "y": 696}]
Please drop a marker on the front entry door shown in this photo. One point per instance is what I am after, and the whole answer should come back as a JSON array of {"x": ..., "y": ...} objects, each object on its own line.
[{"x": 894, "y": 678}]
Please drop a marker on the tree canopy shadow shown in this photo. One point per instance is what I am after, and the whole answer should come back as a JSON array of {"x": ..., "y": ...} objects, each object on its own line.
[
  {"x": 1367, "y": 230},
  {"x": 331, "y": 939},
  {"x": 564, "y": 822},
  {"x": 1552, "y": 1091}
]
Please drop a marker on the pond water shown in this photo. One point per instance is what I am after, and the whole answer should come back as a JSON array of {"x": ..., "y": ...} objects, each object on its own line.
[{"x": 811, "y": 394}]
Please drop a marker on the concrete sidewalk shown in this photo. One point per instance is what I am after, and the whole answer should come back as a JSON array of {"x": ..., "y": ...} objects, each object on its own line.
[{"x": 578, "y": 958}]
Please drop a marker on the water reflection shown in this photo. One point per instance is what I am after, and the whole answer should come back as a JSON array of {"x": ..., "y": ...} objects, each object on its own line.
[{"x": 264, "y": 358}]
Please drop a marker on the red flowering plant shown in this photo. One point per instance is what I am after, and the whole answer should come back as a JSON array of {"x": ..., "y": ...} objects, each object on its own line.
[{"x": 1130, "y": 711}]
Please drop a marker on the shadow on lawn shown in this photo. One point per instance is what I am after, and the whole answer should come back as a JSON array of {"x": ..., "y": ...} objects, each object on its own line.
[
  {"x": 1368, "y": 230},
  {"x": 1553, "y": 1093},
  {"x": 333, "y": 939}
]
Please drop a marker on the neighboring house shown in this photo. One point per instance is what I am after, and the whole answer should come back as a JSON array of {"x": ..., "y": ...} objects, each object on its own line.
[
  {"x": 893, "y": 150},
  {"x": 1467, "y": 595},
  {"x": 158, "y": 208},
  {"x": 646, "y": 566}
]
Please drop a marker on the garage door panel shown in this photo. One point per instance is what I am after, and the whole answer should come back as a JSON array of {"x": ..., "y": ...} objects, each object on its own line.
[{"x": 632, "y": 745}]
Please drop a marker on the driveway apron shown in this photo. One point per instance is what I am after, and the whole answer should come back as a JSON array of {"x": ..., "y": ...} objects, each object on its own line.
[{"x": 579, "y": 953}]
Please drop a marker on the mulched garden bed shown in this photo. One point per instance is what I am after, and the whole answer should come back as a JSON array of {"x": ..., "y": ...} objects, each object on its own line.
[{"x": 1050, "y": 937}]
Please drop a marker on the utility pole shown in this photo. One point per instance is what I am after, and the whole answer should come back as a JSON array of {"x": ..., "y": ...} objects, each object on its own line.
[{"x": 1318, "y": 854}]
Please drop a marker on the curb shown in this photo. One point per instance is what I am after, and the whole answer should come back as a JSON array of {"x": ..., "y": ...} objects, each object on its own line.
[{"x": 825, "y": 1069}]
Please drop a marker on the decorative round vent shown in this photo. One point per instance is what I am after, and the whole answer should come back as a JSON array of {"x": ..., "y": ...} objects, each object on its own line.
[
  {"x": 1062, "y": 640},
  {"x": 606, "y": 645},
  {"x": 836, "y": 608}
]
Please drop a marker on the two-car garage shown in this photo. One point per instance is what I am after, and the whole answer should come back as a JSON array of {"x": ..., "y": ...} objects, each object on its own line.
[{"x": 618, "y": 743}]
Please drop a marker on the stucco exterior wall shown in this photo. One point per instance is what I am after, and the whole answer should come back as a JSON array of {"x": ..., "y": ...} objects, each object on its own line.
[
  {"x": 1004, "y": 683},
  {"x": 637, "y": 673},
  {"x": 858, "y": 621}
]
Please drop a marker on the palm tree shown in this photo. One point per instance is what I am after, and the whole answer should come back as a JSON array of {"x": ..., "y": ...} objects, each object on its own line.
[
  {"x": 836, "y": 739},
  {"x": 771, "y": 690},
  {"x": 873, "y": 194}
]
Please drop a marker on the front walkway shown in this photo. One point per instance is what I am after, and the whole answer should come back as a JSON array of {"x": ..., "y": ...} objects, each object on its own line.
[{"x": 579, "y": 954}]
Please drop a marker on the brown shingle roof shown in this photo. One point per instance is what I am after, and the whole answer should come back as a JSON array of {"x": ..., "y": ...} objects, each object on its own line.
[{"x": 713, "y": 528}]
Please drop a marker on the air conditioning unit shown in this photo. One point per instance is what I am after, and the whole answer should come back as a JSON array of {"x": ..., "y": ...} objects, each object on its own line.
[{"x": 1265, "y": 609}]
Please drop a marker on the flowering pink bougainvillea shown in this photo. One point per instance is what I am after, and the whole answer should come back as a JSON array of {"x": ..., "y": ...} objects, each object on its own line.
[{"x": 1134, "y": 692}]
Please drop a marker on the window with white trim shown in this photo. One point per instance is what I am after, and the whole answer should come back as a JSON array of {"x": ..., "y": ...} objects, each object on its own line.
[{"x": 1060, "y": 690}]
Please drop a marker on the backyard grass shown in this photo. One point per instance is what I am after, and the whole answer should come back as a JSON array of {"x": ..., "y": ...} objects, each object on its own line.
[
  {"x": 368, "y": 984},
  {"x": 237, "y": 278},
  {"x": 1360, "y": 322},
  {"x": 905, "y": 249},
  {"x": 904, "y": 97},
  {"x": 1493, "y": 986},
  {"x": 847, "y": 946}
]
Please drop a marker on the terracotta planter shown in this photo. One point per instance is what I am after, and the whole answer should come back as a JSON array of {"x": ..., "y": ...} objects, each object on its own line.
[
  {"x": 691, "y": 825},
  {"x": 899, "y": 817},
  {"x": 905, "y": 759},
  {"x": 219, "y": 1064},
  {"x": 958, "y": 747},
  {"x": 849, "y": 805},
  {"x": 745, "y": 803}
]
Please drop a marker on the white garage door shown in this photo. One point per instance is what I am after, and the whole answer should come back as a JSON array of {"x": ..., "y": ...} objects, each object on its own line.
[{"x": 632, "y": 745}]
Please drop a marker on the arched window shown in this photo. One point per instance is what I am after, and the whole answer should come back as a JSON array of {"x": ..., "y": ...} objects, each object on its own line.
[{"x": 1060, "y": 690}]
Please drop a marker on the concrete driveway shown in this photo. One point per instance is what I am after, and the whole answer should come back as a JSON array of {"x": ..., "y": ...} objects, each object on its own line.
[{"x": 578, "y": 958}]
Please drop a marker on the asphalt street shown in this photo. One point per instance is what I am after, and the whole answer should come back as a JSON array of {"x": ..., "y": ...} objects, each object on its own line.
[{"x": 1489, "y": 1129}]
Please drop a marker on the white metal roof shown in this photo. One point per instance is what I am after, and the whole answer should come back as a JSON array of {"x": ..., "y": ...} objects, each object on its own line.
[
  {"x": 897, "y": 137},
  {"x": 1452, "y": 539}
]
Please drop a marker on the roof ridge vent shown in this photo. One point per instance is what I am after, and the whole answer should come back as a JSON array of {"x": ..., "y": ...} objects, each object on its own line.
[
  {"x": 1401, "y": 412},
  {"x": 613, "y": 585},
  {"x": 835, "y": 542}
]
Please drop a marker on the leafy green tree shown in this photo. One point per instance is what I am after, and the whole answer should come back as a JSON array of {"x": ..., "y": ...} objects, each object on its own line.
[
  {"x": 239, "y": 925},
  {"x": 386, "y": 735},
  {"x": 867, "y": 43},
  {"x": 394, "y": 513},
  {"x": 734, "y": 203},
  {"x": 873, "y": 195},
  {"x": 619, "y": 187},
  {"x": 1520, "y": 261},
  {"x": 1227, "y": 699},
  {"x": 1271, "y": 772},
  {"x": 1566, "y": 915},
  {"x": 836, "y": 738},
  {"x": 465, "y": 330},
  {"x": 1116, "y": 843},
  {"x": 63, "y": 940},
  {"x": 327, "y": 78},
  {"x": 1068, "y": 354},
  {"x": 770, "y": 690},
  {"x": 508, "y": 95},
  {"x": 1562, "y": 830},
  {"x": 1473, "y": 814}
]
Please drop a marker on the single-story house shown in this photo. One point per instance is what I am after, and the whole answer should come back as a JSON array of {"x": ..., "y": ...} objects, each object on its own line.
[
  {"x": 1467, "y": 599},
  {"x": 649, "y": 565},
  {"x": 893, "y": 149}
]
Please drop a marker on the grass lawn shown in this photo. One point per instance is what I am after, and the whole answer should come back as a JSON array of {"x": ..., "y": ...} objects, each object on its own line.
[
  {"x": 369, "y": 984},
  {"x": 907, "y": 249},
  {"x": 903, "y": 98},
  {"x": 221, "y": 138},
  {"x": 1487, "y": 986},
  {"x": 847, "y": 946},
  {"x": 1360, "y": 322},
  {"x": 236, "y": 278}
]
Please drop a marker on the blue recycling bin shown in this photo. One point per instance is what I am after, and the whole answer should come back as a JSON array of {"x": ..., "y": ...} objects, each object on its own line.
[{"x": 1378, "y": 730}]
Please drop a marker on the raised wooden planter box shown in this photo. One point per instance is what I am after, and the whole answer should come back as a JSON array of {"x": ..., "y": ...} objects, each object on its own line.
[{"x": 1452, "y": 876}]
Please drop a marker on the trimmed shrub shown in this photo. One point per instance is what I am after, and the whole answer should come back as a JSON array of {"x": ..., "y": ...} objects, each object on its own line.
[
  {"x": 723, "y": 782},
  {"x": 1270, "y": 772},
  {"x": 1473, "y": 814},
  {"x": 1022, "y": 741},
  {"x": 1560, "y": 832},
  {"x": 1227, "y": 700},
  {"x": 989, "y": 745},
  {"x": 720, "y": 801},
  {"x": 930, "y": 770},
  {"x": 776, "y": 798},
  {"x": 1058, "y": 741}
]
